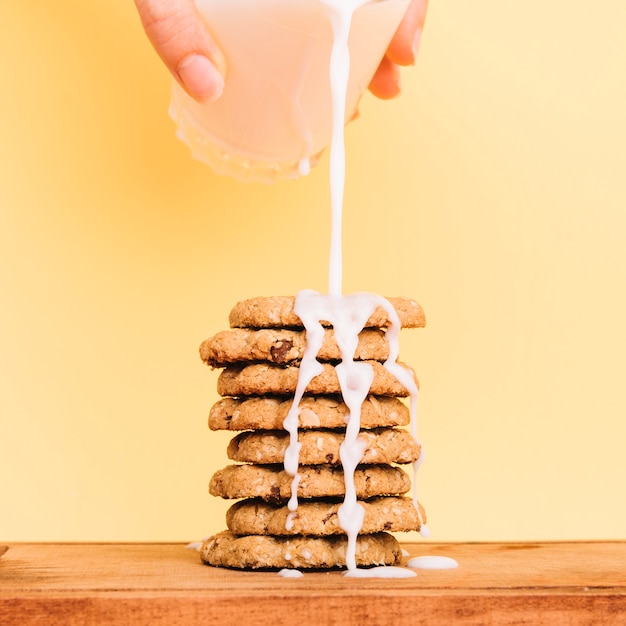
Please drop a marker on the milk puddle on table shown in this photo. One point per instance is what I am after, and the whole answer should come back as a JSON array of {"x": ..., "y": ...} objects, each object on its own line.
[{"x": 348, "y": 315}]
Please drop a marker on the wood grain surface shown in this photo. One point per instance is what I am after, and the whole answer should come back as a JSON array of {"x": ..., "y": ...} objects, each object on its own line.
[{"x": 159, "y": 584}]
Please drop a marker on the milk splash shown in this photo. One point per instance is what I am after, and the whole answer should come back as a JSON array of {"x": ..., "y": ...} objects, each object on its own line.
[
  {"x": 432, "y": 562},
  {"x": 348, "y": 315}
]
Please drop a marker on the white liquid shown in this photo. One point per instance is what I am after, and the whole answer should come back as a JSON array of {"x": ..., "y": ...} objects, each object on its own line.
[
  {"x": 432, "y": 562},
  {"x": 290, "y": 573},
  {"x": 340, "y": 14},
  {"x": 348, "y": 316}
]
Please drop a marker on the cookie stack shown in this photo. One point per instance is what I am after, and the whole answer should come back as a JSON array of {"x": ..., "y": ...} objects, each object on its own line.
[{"x": 259, "y": 357}]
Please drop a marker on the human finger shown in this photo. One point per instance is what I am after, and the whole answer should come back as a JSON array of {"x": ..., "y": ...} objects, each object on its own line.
[
  {"x": 178, "y": 34},
  {"x": 385, "y": 83}
]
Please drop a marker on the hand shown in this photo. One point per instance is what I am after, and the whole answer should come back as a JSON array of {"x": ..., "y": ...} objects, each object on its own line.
[
  {"x": 402, "y": 51},
  {"x": 179, "y": 36}
]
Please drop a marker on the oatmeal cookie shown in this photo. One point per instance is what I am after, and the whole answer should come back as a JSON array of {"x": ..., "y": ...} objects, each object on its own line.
[
  {"x": 277, "y": 312},
  {"x": 263, "y": 552},
  {"x": 381, "y": 445},
  {"x": 273, "y": 484},
  {"x": 319, "y": 518},
  {"x": 262, "y": 379},
  {"x": 282, "y": 345},
  {"x": 269, "y": 413}
]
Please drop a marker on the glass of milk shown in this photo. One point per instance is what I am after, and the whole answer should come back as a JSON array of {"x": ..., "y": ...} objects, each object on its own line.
[{"x": 274, "y": 117}]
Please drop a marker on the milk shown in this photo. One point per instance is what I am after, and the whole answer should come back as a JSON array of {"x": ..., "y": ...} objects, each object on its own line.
[
  {"x": 347, "y": 314},
  {"x": 274, "y": 117}
]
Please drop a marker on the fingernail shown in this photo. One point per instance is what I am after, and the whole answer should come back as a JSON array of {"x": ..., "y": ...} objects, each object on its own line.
[
  {"x": 415, "y": 44},
  {"x": 200, "y": 78}
]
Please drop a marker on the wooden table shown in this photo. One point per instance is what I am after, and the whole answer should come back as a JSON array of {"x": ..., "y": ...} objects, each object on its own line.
[{"x": 165, "y": 584}]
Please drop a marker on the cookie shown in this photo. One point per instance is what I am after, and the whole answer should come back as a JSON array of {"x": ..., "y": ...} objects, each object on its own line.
[
  {"x": 319, "y": 518},
  {"x": 280, "y": 346},
  {"x": 262, "y": 379},
  {"x": 268, "y": 413},
  {"x": 383, "y": 445},
  {"x": 264, "y": 552},
  {"x": 277, "y": 312},
  {"x": 273, "y": 484}
]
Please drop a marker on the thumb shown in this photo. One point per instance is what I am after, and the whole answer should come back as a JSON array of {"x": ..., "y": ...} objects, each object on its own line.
[{"x": 181, "y": 39}]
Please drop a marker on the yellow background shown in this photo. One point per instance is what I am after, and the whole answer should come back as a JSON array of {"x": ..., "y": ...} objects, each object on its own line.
[{"x": 493, "y": 191}]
